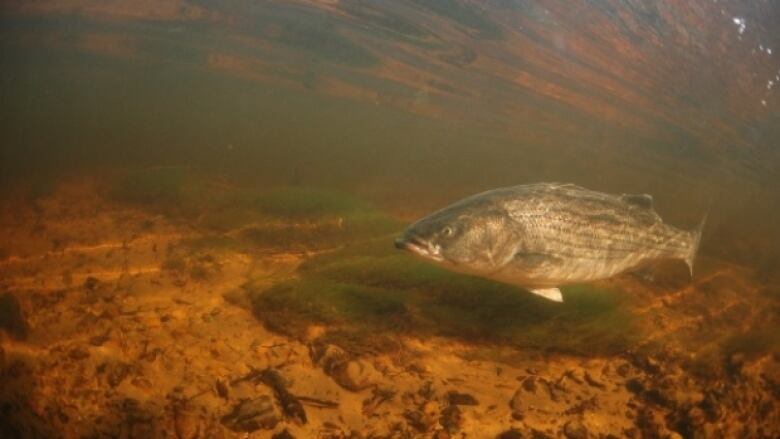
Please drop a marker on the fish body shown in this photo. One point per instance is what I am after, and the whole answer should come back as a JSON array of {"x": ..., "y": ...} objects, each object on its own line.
[{"x": 542, "y": 236}]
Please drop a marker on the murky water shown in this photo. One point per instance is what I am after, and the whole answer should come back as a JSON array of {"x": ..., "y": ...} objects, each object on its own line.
[{"x": 200, "y": 197}]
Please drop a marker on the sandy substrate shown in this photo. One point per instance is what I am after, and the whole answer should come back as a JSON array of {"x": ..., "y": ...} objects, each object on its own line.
[{"x": 103, "y": 338}]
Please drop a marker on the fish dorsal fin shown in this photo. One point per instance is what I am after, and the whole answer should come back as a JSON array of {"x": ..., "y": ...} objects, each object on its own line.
[
  {"x": 553, "y": 294},
  {"x": 641, "y": 200}
]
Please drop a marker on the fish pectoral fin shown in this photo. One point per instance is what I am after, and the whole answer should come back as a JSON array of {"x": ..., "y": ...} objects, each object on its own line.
[
  {"x": 553, "y": 294},
  {"x": 641, "y": 200}
]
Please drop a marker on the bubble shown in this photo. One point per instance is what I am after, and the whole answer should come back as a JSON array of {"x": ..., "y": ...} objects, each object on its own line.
[{"x": 741, "y": 24}]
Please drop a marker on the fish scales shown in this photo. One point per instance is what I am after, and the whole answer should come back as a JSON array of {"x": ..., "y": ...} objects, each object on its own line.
[{"x": 548, "y": 234}]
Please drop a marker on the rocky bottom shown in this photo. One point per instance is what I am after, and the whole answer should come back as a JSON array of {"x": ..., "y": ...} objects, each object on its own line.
[{"x": 111, "y": 327}]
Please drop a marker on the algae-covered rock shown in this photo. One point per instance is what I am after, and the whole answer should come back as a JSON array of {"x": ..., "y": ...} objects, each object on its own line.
[{"x": 369, "y": 288}]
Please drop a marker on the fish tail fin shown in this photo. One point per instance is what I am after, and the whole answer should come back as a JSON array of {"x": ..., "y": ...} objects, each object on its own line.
[{"x": 695, "y": 241}]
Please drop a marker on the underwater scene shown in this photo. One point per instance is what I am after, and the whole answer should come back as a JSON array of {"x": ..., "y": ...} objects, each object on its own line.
[{"x": 389, "y": 219}]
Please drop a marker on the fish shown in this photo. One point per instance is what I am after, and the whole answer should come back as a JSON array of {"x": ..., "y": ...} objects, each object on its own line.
[{"x": 545, "y": 235}]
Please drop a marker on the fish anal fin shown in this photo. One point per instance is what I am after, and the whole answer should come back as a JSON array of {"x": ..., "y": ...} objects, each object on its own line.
[
  {"x": 641, "y": 200},
  {"x": 553, "y": 294}
]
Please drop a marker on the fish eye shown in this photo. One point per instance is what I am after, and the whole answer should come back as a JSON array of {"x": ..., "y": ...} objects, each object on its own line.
[{"x": 447, "y": 231}]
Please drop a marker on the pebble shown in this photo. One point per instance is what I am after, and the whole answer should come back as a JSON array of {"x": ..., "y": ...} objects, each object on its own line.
[
  {"x": 510, "y": 434},
  {"x": 458, "y": 398},
  {"x": 529, "y": 384},
  {"x": 355, "y": 375},
  {"x": 99, "y": 340},
  {"x": 252, "y": 414},
  {"x": 593, "y": 382},
  {"x": 186, "y": 424},
  {"x": 222, "y": 388},
  {"x": 451, "y": 418},
  {"x": 284, "y": 434},
  {"x": 11, "y": 316},
  {"x": 116, "y": 373},
  {"x": 90, "y": 283},
  {"x": 328, "y": 357},
  {"x": 78, "y": 353},
  {"x": 574, "y": 429},
  {"x": 419, "y": 421}
]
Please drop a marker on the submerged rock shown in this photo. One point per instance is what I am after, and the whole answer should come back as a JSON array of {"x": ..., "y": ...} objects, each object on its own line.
[
  {"x": 284, "y": 434},
  {"x": 574, "y": 429},
  {"x": 328, "y": 356},
  {"x": 354, "y": 375},
  {"x": 458, "y": 398},
  {"x": 221, "y": 388},
  {"x": 11, "y": 316},
  {"x": 186, "y": 423},
  {"x": 419, "y": 421},
  {"x": 116, "y": 373},
  {"x": 291, "y": 406},
  {"x": 510, "y": 434},
  {"x": 252, "y": 414},
  {"x": 451, "y": 419}
]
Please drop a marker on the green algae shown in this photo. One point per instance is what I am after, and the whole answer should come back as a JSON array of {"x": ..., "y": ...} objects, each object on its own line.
[{"x": 372, "y": 288}]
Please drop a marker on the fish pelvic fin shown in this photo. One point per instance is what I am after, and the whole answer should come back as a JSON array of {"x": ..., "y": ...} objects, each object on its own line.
[
  {"x": 695, "y": 241},
  {"x": 553, "y": 294}
]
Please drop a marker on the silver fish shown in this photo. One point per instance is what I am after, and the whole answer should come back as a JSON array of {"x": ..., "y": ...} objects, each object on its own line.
[{"x": 542, "y": 236}]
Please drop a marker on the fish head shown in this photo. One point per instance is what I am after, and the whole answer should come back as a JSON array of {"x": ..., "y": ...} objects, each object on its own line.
[{"x": 459, "y": 239}]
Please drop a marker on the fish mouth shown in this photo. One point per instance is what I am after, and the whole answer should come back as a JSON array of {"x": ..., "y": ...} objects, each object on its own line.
[{"x": 418, "y": 247}]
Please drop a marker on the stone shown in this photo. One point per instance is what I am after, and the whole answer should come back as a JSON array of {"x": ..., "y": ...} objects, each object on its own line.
[
  {"x": 116, "y": 373},
  {"x": 252, "y": 415},
  {"x": 593, "y": 382},
  {"x": 529, "y": 384},
  {"x": 574, "y": 429},
  {"x": 430, "y": 408},
  {"x": 328, "y": 357},
  {"x": 418, "y": 420},
  {"x": 90, "y": 283},
  {"x": 451, "y": 419},
  {"x": 186, "y": 424},
  {"x": 355, "y": 375},
  {"x": 284, "y": 434},
  {"x": 516, "y": 405},
  {"x": 99, "y": 340},
  {"x": 12, "y": 318},
  {"x": 458, "y": 398},
  {"x": 222, "y": 388},
  {"x": 539, "y": 434},
  {"x": 291, "y": 406},
  {"x": 510, "y": 434},
  {"x": 78, "y": 353}
]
